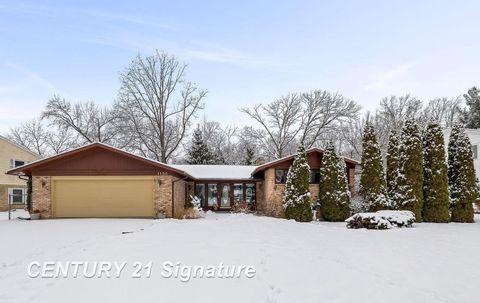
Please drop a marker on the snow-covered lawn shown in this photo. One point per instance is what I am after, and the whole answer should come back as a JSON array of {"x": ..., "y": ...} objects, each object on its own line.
[{"x": 295, "y": 262}]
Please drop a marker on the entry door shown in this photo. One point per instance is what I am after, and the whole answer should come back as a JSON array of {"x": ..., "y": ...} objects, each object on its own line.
[{"x": 225, "y": 201}]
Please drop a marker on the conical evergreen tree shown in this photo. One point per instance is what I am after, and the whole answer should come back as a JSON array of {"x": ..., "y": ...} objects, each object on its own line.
[
  {"x": 296, "y": 197},
  {"x": 199, "y": 153},
  {"x": 463, "y": 187},
  {"x": 452, "y": 153},
  {"x": 410, "y": 174},
  {"x": 249, "y": 156},
  {"x": 372, "y": 181},
  {"x": 333, "y": 194},
  {"x": 392, "y": 165},
  {"x": 435, "y": 181}
]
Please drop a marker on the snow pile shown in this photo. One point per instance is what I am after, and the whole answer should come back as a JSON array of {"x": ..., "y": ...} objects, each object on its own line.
[{"x": 383, "y": 219}]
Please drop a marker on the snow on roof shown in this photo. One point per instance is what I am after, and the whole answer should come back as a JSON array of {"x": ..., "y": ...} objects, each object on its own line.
[{"x": 216, "y": 172}]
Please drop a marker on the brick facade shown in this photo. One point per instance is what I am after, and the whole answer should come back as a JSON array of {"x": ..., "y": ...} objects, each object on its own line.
[
  {"x": 270, "y": 194},
  {"x": 42, "y": 196}
]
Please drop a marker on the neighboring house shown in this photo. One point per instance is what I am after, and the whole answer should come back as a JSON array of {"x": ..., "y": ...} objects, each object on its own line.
[
  {"x": 474, "y": 136},
  {"x": 12, "y": 188},
  {"x": 98, "y": 180}
]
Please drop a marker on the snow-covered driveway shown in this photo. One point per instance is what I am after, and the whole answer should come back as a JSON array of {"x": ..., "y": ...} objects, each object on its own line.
[{"x": 295, "y": 262}]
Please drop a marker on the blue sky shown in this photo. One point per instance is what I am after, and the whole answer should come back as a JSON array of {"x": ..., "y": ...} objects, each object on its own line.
[{"x": 243, "y": 52}]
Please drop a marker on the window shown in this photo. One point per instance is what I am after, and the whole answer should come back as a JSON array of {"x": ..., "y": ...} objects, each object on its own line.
[
  {"x": 200, "y": 193},
  {"x": 16, "y": 195},
  {"x": 281, "y": 175},
  {"x": 212, "y": 194},
  {"x": 475, "y": 151},
  {"x": 237, "y": 192},
  {"x": 16, "y": 163},
  {"x": 250, "y": 194},
  {"x": 314, "y": 176}
]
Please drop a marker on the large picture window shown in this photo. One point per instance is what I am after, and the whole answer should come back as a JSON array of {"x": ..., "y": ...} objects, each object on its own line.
[
  {"x": 237, "y": 192},
  {"x": 200, "y": 193},
  {"x": 250, "y": 194},
  {"x": 212, "y": 195}
]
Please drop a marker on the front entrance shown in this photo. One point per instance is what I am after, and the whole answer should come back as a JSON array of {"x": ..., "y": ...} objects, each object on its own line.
[{"x": 225, "y": 201}]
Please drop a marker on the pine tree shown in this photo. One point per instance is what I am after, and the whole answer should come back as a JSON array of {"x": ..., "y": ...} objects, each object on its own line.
[
  {"x": 296, "y": 197},
  {"x": 392, "y": 165},
  {"x": 199, "y": 153},
  {"x": 372, "y": 181},
  {"x": 410, "y": 174},
  {"x": 334, "y": 195},
  {"x": 471, "y": 117},
  {"x": 249, "y": 156},
  {"x": 462, "y": 181},
  {"x": 435, "y": 180}
]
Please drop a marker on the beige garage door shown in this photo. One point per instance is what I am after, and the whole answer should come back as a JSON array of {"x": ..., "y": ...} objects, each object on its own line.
[{"x": 102, "y": 197}]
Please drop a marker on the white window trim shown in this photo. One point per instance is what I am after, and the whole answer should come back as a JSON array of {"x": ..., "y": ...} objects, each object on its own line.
[
  {"x": 12, "y": 162},
  {"x": 10, "y": 193}
]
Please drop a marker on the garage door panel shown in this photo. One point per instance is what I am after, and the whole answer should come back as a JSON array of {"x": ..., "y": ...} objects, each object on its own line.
[{"x": 103, "y": 197}]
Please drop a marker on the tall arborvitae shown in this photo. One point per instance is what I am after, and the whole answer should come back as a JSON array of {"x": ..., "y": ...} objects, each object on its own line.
[
  {"x": 392, "y": 165},
  {"x": 249, "y": 156},
  {"x": 199, "y": 153},
  {"x": 410, "y": 173},
  {"x": 333, "y": 194},
  {"x": 372, "y": 181},
  {"x": 435, "y": 181},
  {"x": 296, "y": 197},
  {"x": 452, "y": 153},
  {"x": 462, "y": 181}
]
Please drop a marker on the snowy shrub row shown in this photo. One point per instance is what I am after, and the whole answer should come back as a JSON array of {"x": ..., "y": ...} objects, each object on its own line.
[{"x": 383, "y": 219}]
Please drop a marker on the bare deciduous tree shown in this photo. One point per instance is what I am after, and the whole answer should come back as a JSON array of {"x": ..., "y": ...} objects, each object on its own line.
[
  {"x": 156, "y": 104},
  {"x": 45, "y": 141},
  {"x": 298, "y": 118},
  {"x": 444, "y": 111},
  {"x": 90, "y": 121}
]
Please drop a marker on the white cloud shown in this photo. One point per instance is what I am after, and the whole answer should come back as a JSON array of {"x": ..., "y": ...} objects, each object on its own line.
[{"x": 235, "y": 57}]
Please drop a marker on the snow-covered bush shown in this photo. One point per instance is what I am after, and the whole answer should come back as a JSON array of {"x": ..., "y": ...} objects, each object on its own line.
[
  {"x": 358, "y": 205},
  {"x": 383, "y": 219},
  {"x": 193, "y": 210}
]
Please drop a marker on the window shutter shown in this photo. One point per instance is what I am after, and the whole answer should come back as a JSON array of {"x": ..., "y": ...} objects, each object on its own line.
[{"x": 12, "y": 163}]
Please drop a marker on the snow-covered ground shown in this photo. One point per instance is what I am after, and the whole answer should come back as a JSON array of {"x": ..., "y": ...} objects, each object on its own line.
[{"x": 295, "y": 262}]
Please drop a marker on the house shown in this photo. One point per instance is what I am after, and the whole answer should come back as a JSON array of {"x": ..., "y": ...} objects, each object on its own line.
[
  {"x": 474, "y": 136},
  {"x": 12, "y": 188},
  {"x": 98, "y": 180}
]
